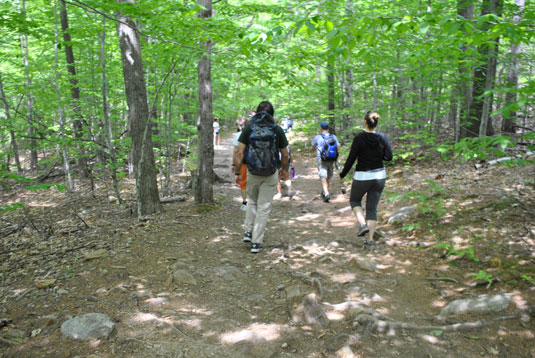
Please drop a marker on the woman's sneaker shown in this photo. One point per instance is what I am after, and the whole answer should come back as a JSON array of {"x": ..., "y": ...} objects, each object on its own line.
[
  {"x": 255, "y": 248},
  {"x": 244, "y": 206},
  {"x": 369, "y": 243},
  {"x": 363, "y": 230},
  {"x": 247, "y": 237}
]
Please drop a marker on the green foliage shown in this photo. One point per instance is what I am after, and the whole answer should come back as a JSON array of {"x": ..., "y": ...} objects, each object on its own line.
[
  {"x": 430, "y": 200},
  {"x": 436, "y": 333},
  {"x": 10, "y": 207},
  {"x": 529, "y": 279},
  {"x": 37, "y": 187},
  {"x": 205, "y": 208},
  {"x": 462, "y": 252},
  {"x": 476, "y": 148},
  {"x": 410, "y": 227},
  {"x": 485, "y": 276}
]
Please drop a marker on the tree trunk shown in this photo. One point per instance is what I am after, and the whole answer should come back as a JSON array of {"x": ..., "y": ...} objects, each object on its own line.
[
  {"x": 14, "y": 145},
  {"x": 205, "y": 164},
  {"x": 510, "y": 117},
  {"x": 62, "y": 149},
  {"x": 486, "y": 127},
  {"x": 147, "y": 197},
  {"x": 29, "y": 98},
  {"x": 483, "y": 77},
  {"x": 108, "y": 132},
  {"x": 331, "y": 106},
  {"x": 375, "y": 94},
  {"x": 465, "y": 9},
  {"x": 75, "y": 89},
  {"x": 347, "y": 99}
]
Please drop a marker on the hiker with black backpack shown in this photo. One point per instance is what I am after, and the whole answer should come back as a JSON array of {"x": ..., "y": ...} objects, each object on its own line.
[
  {"x": 326, "y": 146},
  {"x": 369, "y": 149},
  {"x": 260, "y": 143}
]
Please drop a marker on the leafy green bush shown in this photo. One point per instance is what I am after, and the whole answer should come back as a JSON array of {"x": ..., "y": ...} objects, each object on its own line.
[{"x": 476, "y": 148}]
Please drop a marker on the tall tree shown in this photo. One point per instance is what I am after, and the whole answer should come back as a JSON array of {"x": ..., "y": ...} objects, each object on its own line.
[
  {"x": 484, "y": 74},
  {"x": 347, "y": 79},
  {"x": 485, "y": 127},
  {"x": 331, "y": 101},
  {"x": 29, "y": 96},
  {"x": 75, "y": 88},
  {"x": 14, "y": 145},
  {"x": 62, "y": 148},
  {"x": 509, "y": 120},
  {"x": 465, "y": 9},
  {"x": 108, "y": 133},
  {"x": 204, "y": 186},
  {"x": 147, "y": 197}
]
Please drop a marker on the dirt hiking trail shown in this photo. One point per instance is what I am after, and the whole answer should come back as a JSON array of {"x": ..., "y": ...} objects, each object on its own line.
[{"x": 183, "y": 284}]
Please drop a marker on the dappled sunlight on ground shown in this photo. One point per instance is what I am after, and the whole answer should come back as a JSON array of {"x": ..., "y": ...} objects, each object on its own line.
[
  {"x": 254, "y": 332},
  {"x": 241, "y": 305}
]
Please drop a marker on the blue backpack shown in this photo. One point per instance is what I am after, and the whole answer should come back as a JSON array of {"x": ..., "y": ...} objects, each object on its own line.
[
  {"x": 262, "y": 152},
  {"x": 329, "y": 151}
]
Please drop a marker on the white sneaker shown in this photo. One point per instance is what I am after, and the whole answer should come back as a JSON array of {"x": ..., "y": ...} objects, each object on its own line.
[
  {"x": 277, "y": 196},
  {"x": 243, "y": 207}
]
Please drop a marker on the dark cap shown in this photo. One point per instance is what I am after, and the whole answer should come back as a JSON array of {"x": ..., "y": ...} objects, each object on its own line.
[{"x": 324, "y": 125}]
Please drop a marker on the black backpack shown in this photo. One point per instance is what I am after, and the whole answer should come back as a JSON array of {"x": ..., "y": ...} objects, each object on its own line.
[
  {"x": 262, "y": 152},
  {"x": 329, "y": 151}
]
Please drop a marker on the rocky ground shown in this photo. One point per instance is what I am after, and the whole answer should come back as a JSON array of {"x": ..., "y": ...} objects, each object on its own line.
[{"x": 183, "y": 284}]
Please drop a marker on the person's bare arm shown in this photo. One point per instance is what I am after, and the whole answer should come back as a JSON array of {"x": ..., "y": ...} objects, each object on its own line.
[
  {"x": 234, "y": 153},
  {"x": 238, "y": 157},
  {"x": 284, "y": 162}
]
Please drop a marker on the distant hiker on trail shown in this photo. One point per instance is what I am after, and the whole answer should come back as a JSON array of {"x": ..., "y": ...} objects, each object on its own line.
[
  {"x": 240, "y": 123},
  {"x": 217, "y": 137},
  {"x": 284, "y": 186},
  {"x": 369, "y": 149},
  {"x": 263, "y": 140},
  {"x": 241, "y": 180},
  {"x": 326, "y": 146}
]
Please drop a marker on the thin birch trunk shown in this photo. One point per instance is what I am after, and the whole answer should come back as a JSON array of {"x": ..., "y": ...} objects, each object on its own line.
[
  {"x": 29, "y": 97},
  {"x": 14, "y": 145},
  {"x": 69, "y": 182},
  {"x": 510, "y": 118},
  {"x": 108, "y": 130}
]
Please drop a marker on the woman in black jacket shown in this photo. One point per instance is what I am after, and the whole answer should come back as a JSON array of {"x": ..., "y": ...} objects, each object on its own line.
[{"x": 369, "y": 149}]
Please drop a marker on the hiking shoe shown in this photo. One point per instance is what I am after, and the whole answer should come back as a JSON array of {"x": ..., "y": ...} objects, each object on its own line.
[
  {"x": 369, "y": 243},
  {"x": 255, "y": 248},
  {"x": 247, "y": 237},
  {"x": 326, "y": 198},
  {"x": 363, "y": 230}
]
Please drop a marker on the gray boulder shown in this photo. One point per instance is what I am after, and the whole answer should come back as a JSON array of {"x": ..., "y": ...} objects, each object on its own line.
[
  {"x": 401, "y": 214},
  {"x": 90, "y": 325}
]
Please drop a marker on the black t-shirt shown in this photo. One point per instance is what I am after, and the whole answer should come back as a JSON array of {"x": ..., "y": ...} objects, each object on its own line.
[{"x": 280, "y": 137}]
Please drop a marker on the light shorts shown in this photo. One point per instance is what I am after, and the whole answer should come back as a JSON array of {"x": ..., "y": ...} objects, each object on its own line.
[{"x": 325, "y": 169}]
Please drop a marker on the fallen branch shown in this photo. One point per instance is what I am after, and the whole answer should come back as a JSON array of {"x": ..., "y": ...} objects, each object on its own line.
[
  {"x": 82, "y": 220},
  {"x": 504, "y": 159},
  {"x": 447, "y": 278},
  {"x": 173, "y": 199}
]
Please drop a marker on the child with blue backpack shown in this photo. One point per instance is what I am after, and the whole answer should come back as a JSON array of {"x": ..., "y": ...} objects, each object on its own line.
[{"x": 326, "y": 146}]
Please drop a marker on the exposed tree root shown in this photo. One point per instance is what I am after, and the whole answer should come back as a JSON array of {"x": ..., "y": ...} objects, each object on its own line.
[{"x": 379, "y": 323}]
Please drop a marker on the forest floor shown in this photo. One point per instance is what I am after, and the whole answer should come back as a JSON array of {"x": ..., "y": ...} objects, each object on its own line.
[{"x": 300, "y": 296}]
